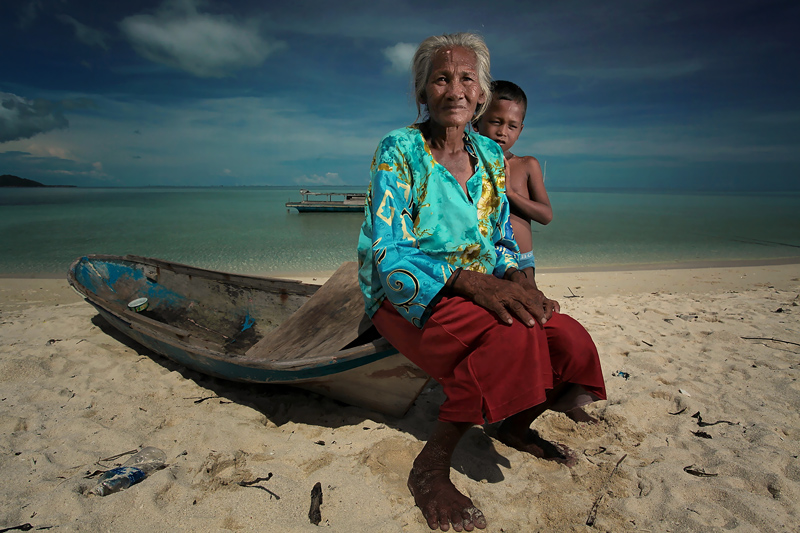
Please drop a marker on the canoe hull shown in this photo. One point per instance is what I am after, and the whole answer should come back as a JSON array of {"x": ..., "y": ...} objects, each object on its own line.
[{"x": 373, "y": 375}]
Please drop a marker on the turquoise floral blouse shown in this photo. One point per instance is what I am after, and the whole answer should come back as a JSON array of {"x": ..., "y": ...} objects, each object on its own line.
[{"x": 420, "y": 225}]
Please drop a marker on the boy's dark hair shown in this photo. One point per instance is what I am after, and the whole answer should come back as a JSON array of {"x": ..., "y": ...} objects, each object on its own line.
[{"x": 506, "y": 90}]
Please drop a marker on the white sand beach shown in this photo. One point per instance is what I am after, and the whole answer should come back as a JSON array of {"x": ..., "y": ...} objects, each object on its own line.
[{"x": 701, "y": 431}]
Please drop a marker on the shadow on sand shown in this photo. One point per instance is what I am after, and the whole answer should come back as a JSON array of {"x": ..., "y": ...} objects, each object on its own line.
[{"x": 475, "y": 457}]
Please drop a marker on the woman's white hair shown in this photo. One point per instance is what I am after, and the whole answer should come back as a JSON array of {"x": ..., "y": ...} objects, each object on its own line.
[{"x": 422, "y": 64}]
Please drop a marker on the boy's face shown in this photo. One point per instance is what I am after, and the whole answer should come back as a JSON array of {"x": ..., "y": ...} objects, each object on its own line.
[{"x": 502, "y": 123}]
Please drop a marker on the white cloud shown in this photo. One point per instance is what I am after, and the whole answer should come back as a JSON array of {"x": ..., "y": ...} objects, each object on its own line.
[
  {"x": 85, "y": 34},
  {"x": 49, "y": 150},
  {"x": 330, "y": 178},
  {"x": 21, "y": 118},
  {"x": 203, "y": 44},
  {"x": 400, "y": 56}
]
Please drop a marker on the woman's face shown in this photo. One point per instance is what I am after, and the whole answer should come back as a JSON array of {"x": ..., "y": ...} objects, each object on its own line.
[{"x": 452, "y": 92}]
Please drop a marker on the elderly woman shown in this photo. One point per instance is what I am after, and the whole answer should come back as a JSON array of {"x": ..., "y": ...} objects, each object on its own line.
[{"x": 438, "y": 273}]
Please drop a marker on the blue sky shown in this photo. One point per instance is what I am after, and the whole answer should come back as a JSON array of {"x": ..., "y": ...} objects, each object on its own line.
[{"x": 626, "y": 94}]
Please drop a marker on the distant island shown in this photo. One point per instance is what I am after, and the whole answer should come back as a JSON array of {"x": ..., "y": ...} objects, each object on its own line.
[{"x": 7, "y": 180}]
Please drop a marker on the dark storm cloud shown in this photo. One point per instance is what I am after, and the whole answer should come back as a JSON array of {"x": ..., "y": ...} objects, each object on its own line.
[
  {"x": 22, "y": 119},
  {"x": 85, "y": 34}
]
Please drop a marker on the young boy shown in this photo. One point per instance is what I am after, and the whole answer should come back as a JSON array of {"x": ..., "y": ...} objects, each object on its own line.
[{"x": 503, "y": 122}]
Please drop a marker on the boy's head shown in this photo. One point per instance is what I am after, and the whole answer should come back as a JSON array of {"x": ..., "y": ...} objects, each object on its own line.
[{"x": 503, "y": 120}]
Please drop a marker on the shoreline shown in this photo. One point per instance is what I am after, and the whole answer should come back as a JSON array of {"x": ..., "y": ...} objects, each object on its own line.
[
  {"x": 315, "y": 276},
  {"x": 558, "y": 285}
]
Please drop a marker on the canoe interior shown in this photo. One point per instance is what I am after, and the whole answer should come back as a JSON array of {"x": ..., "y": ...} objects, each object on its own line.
[{"x": 227, "y": 312}]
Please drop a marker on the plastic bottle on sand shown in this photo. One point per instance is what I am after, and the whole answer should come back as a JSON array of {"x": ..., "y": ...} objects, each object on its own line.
[{"x": 134, "y": 470}]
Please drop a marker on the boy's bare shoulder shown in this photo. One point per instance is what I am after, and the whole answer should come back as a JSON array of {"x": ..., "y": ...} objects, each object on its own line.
[{"x": 527, "y": 162}]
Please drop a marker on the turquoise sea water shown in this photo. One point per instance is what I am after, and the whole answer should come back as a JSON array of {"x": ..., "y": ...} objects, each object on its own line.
[{"x": 249, "y": 230}]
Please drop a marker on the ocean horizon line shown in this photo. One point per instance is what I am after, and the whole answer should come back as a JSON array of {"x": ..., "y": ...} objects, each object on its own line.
[{"x": 362, "y": 187}]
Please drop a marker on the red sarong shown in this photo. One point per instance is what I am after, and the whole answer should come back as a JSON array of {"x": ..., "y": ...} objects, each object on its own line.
[{"x": 490, "y": 370}]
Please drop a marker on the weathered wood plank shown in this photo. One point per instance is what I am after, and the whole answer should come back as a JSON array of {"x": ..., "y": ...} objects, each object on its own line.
[{"x": 330, "y": 320}]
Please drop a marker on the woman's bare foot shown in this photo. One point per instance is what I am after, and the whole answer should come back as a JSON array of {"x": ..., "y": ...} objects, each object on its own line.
[
  {"x": 441, "y": 503},
  {"x": 535, "y": 445},
  {"x": 579, "y": 415},
  {"x": 429, "y": 481}
]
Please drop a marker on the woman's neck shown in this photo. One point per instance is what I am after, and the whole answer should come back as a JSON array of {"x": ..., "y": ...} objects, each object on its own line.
[{"x": 441, "y": 138}]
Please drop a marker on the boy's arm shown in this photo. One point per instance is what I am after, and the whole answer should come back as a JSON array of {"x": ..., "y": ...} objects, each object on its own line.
[{"x": 537, "y": 207}]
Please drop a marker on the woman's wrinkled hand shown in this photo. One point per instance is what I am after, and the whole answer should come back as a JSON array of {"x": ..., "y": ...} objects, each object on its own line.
[
  {"x": 505, "y": 298},
  {"x": 550, "y": 306}
]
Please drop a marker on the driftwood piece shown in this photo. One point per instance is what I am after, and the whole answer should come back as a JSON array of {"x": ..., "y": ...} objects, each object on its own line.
[
  {"x": 254, "y": 482},
  {"x": 705, "y": 424},
  {"x": 772, "y": 339},
  {"x": 572, "y": 294},
  {"x": 696, "y": 471},
  {"x": 314, "y": 513},
  {"x": 22, "y": 527}
]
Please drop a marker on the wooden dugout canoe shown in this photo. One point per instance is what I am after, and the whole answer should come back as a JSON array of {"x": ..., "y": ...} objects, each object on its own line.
[{"x": 254, "y": 329}]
